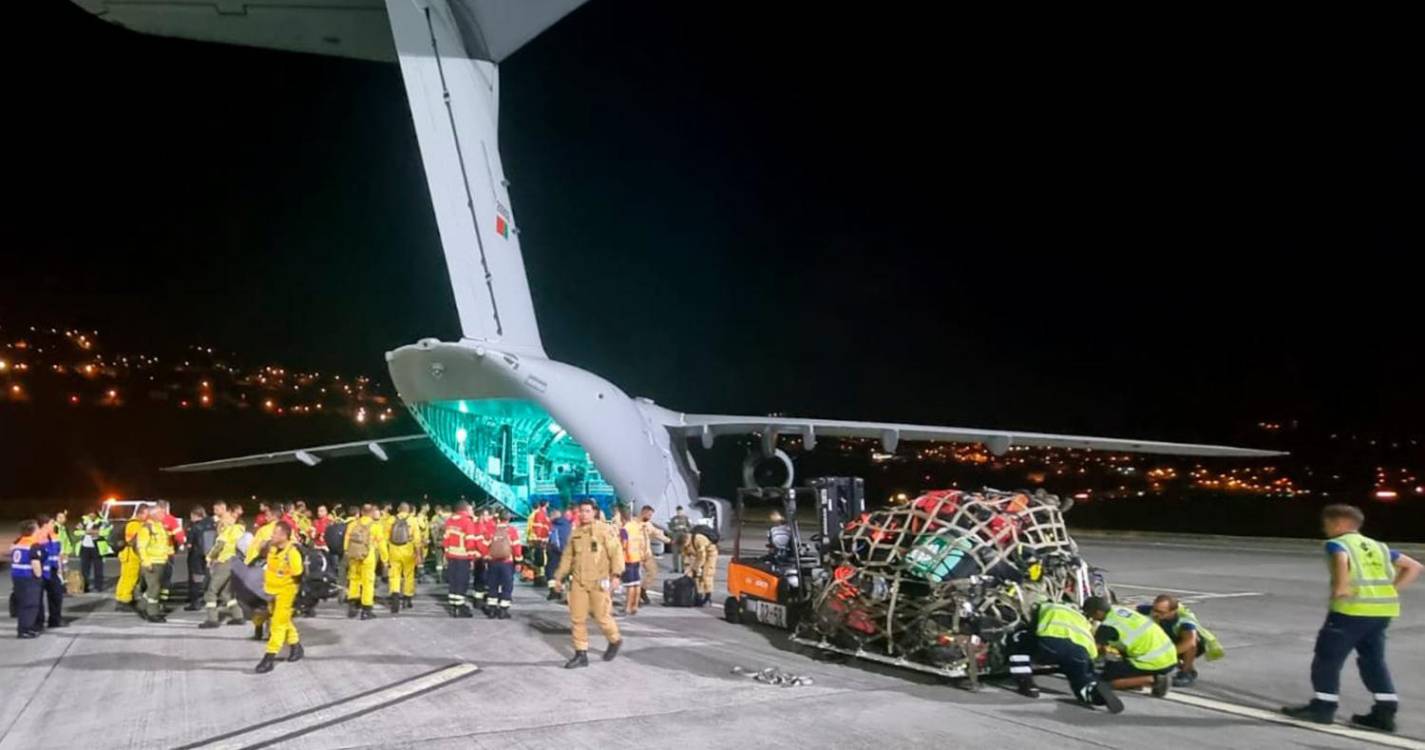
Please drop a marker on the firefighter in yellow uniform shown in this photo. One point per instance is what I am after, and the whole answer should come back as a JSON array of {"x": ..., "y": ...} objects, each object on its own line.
[
  {"x": 593, "y": 561},
  {"x": 282, "y": 579},
  {"x": 257, "y": 547},
  {"x": 220, "y": 597},
  {"x": 129, "y": 558},
  {"x": 401, "y": 552},
  {"x": 420, "y": 525},
  {"x": 363, "y": 547},
  {"x": 154, "y": 549},
  {"x": 700, "y": 560}
]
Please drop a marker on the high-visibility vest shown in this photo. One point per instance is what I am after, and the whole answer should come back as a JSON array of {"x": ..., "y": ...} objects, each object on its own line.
[
  {"x": 1141, "y": 641},
  {"x": 1062, "y": 621},
  {"x": 1372, "y": 581},
  {"x": 1212, "y": 647}
]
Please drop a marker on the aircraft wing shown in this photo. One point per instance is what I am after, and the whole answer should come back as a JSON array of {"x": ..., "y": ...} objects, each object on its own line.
[
  {"x": 490, "y": 29},
  {"x": 312, "y": 456},
  {"x": 709, "y": 426}
]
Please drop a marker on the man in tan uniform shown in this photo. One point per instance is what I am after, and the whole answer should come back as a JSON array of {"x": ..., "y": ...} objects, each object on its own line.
[
  {"x": 650, "y": 561},
  {"x": 593, "y": 559},
  {"x": 700, "y": 562}
]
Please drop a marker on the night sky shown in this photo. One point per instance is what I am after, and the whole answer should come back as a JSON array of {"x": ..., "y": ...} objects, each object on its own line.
[{"x": 969, "y": 221}]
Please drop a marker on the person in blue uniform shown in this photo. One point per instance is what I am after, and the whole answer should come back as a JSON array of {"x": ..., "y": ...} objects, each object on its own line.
[
  {"x": 27, "y": 556},
  {"x": 53, "y": 578}
]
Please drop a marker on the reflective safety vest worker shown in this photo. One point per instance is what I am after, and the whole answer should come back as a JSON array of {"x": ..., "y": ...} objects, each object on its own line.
[
  {"x": 1372, "y": 579},
  {"x": 1062, "y": 621},
  {"x": 1212, "y": 648},
  {"x": 1140, "y": 640},
  {"x": 225, "y": 547},
  {"x": 21, "y": 557}
]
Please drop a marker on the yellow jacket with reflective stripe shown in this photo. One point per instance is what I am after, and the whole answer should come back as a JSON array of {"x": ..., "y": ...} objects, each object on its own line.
[
  {"x": 1141, "y": 641},
  {"x": 262, "y": 535},
  {"x": 1062, "y": 621},
  {"x": 153, "y": 544},
  {"x": 283, "y": 567},
  {"x": 1372, "y": 579},
  {"x": 225, "y": 548}
]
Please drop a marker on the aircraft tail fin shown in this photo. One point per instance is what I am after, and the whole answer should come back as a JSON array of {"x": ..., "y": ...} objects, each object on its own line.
[{"x": 454, "y": 99}]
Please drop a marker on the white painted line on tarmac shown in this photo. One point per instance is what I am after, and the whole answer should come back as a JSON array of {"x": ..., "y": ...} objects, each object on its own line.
[
  {"x": 1377, "y": 738},
  {"x": 303, "y": 722},
  {"x": 1205, "y": 597}
]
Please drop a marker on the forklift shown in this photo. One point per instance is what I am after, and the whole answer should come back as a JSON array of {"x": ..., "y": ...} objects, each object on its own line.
[{"x": 773, "y": 586}]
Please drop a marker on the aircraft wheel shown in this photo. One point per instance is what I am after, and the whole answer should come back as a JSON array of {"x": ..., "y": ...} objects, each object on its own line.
[{"x": 732, "y": 611}]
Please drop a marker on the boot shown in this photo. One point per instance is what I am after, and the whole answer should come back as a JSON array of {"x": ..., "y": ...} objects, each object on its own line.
[
  {"x": 367, "y": 614},
  {"x": 1161, "y": 683},
  {"x": 466, "y": 611},
  {"x": 1316, "y": 712},
  {"x": 157, "y": 618},
  {"x": 612, "y": 650},
  {"x": 504, "y": 613},
  {"x": 209, "y": 624},
  {"x": 395, "y": 604},
  {"x": 553, "y": 596},
  {"x": 1027, "y": 688},
  {"x": 643, "y": 598},
  {"x": 490, "y": 612},
  {"x": 581, "y": 659},
  {"x": 192, "y": 608},
  {"x": 265, "y": 666},
  {"x": 353, "y": 607},
  {"x": 295, "y": 652},
  {"x": 257, "y": 633},
  {"x": 1184, "y": 679},
  {"x": 1103, "y": 692},
  {"x": 410, "y": 601},
  {"x": 1381, "y": 717},
  {"x": 237, "y": 621}
]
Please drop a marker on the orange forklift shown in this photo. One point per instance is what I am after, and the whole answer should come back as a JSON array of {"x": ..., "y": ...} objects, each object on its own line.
[{"x": 772, "y": 586}]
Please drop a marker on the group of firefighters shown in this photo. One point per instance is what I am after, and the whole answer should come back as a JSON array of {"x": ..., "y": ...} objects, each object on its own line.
[{"x": 584, "y": 559}]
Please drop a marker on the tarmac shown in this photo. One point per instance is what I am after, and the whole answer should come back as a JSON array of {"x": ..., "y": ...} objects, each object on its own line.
[{"x": 423, "y": 679}]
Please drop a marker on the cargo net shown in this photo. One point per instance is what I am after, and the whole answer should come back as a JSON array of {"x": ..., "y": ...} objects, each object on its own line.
[{"x": 933, "y": 580}]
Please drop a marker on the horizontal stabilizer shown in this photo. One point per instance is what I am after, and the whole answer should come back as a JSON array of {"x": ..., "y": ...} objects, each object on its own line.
[
  {"x": 708, "y": 426},
  {"x": 312, "y": 456}
]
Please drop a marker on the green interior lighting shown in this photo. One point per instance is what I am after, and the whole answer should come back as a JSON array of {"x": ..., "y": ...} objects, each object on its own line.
[{"x": 514, "y": 451}]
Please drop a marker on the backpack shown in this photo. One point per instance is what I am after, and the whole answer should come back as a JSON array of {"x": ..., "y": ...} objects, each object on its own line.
[
  {"x": 500, "y": 548},
  {"x": 335, "y": 532},
  {"x": 401, "y": 531},
  {"x": 706, "y": 531},
  {"x": 358, "y": 541},
  {"x": 116, "y": 539}
]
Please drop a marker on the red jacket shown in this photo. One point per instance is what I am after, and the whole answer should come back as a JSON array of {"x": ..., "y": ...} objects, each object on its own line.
[
  {"x": 484, "y": 530},
  {"x": 175, "y": 530},
  {"x": 539, "y": 526},
  {"x": 460, "y": 533},
  {"x": 319, "y": 530}
]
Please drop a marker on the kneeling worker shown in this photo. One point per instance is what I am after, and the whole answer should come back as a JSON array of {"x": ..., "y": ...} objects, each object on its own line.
[
  {"x": 1190, "y": 637},
  {"x": 1061, "y": 636},
  {"x": 593, "y": 560},
  {"x": 282, "y": 578},
  {"x": 1147, "y": 653}
]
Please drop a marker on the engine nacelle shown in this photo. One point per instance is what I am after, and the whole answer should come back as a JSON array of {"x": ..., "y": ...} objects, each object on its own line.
[{"x": 768, "y": 471}]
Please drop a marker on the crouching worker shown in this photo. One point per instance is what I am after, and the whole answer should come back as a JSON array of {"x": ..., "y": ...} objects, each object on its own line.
[
  {"x": 1063, "y": 637},
  {"x": 1147, "y": 654},
  {"x": 282, "y": 579},
  {"x": 1190, "y": 637}
]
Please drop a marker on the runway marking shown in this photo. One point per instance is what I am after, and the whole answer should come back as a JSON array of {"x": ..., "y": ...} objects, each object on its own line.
[
  {"x": 1378, "y": 738},
  {"x": 312, "y": 719},
  {"x": 1186, "y": 593}
]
